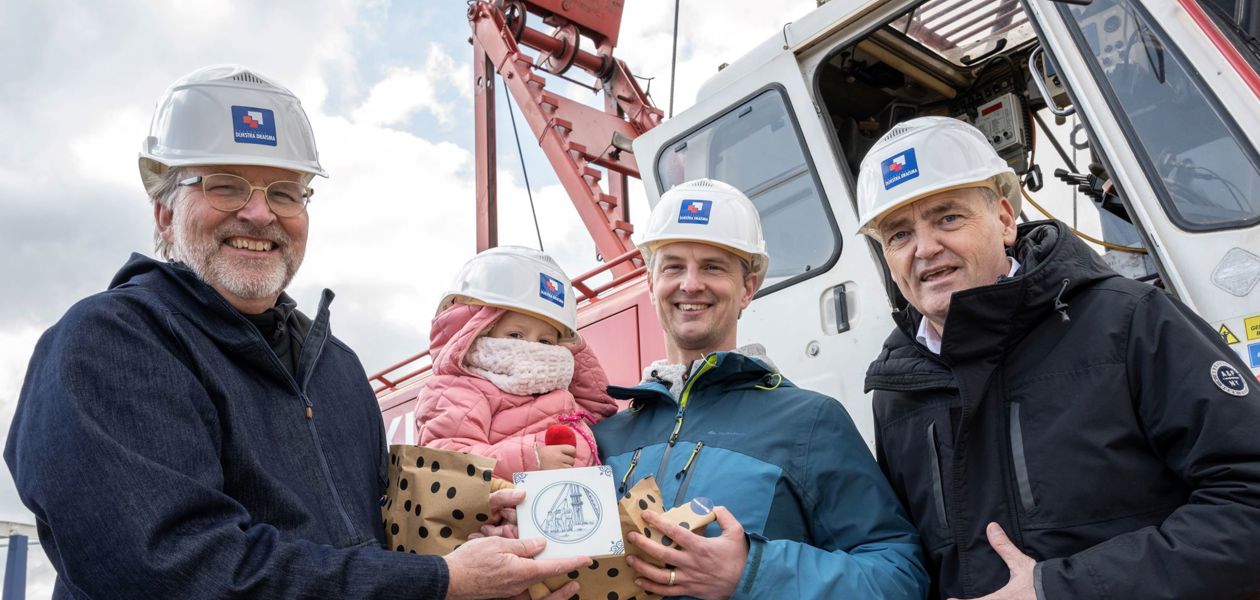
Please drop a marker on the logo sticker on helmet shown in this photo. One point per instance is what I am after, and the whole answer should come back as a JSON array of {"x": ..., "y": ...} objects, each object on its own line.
[
  {"x": 551, "y": 289},
  {"x": 899, "y": 169},
  {"x": 695, "y": 211},
  {"x": 1226, "y": 377},
  {"x": 253, "y": 125}
]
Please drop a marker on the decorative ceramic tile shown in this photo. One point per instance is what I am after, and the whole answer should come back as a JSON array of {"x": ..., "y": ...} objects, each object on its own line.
[{"x": 575, "y": 510}]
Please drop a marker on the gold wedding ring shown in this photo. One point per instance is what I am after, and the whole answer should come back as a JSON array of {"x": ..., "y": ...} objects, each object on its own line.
[{"x": 672, "y": 575}]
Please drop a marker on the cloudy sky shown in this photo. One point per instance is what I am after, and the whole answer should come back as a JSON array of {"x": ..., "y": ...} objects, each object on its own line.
[{"x": 387, "y": 88}]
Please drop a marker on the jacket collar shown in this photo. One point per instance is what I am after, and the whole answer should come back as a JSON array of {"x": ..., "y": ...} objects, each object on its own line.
[
  {"x": 182, "y": 291},
  {"x": 984, "y": 322},
  {"x": 729, "y": 368}
]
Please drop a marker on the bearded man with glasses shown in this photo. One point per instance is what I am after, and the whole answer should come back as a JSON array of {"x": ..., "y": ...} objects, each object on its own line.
[{"x": 189, "y": 433}]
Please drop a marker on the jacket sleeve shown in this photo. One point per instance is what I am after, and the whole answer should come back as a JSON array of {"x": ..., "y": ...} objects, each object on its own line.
[
  {"x": 115, "y": 449},
  {"x": 454, "y": 414},
  {"x": 1206, "y": 548},
  {"x": 590, "y": 384},
  {"x": 863, "y": 544}
]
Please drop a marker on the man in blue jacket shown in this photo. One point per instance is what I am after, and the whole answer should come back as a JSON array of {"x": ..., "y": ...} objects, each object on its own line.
[
  {"x": 806, "y": 512},
  {"x": 189, "y": 433}
]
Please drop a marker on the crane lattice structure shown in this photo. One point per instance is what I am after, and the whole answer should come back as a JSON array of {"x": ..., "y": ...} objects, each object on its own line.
[{"x": 566, "y": 513}]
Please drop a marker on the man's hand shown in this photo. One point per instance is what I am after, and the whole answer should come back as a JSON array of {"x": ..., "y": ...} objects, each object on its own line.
[
  {"x": 703, "y": 567},
  {"x": 556, "y": 457},
  {"x": 1020, "y": 587},
  {"x": 496, "y": 567}
]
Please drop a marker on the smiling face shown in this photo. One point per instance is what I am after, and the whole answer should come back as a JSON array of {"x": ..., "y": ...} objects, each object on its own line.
[
  {"x": 944, "y": 243},
  {"x": 250, "y": 255},
  {"x": 698, "y": 291},
  {"x": 519, "y": 326}
]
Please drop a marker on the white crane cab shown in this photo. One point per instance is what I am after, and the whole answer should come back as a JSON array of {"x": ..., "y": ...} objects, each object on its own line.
[{"x": 1163, "y": 162}]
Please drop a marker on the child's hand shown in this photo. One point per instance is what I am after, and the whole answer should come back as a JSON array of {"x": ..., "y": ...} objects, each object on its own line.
[{"x": 556, "y": 457}]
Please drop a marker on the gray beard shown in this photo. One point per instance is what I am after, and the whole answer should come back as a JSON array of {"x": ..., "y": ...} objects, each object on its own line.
[{"x": 201, "y": 254}]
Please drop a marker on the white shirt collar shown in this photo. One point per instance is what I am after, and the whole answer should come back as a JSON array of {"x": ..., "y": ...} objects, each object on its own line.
[{"x": 927, "y": 334}]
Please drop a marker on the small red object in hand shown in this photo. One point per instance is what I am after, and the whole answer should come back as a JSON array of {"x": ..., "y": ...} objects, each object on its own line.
[{"x": 561, "y": 435}]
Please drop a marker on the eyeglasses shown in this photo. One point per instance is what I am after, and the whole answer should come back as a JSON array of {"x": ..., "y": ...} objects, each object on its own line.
[{"x": 230, "y": 193}]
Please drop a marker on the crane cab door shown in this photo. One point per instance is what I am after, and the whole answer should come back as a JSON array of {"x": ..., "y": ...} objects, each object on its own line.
[
  {"x": 823, "y": 312},
  {"x": 1170, "y": 98}
]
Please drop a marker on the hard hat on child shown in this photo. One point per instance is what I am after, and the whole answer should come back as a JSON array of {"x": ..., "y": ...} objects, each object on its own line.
[
  {"x": 227, "y": 115},
  {"x": 925, "y": 156},
  {"x": 519, "y": 279},
  {"x": 710, "y": 212}
]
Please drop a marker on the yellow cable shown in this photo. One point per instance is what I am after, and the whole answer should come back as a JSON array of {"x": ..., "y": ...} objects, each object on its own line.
[{"x": 1081, "y": 234}]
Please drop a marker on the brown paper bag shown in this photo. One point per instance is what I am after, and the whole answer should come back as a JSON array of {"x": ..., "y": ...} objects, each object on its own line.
[
  {"x": 611, "y": 576},
  {"x": 435, "y": 498}
]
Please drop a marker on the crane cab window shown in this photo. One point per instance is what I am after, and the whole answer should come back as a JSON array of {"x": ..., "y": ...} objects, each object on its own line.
[
  {"x": 756, "y": 146},
  {"x": 1204, "y": 170}
]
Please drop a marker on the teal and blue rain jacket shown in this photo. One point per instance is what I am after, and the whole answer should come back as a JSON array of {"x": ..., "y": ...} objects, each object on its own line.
[{"x": 822, "y": 522}]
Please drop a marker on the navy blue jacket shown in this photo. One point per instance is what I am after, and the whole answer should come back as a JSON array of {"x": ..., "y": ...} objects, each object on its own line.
[
  {"x": 167, "y": 453},
  {"x": 788, "y": 463}
]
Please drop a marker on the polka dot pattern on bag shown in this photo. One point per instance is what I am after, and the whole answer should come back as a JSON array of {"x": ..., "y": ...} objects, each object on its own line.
[{"x": 434, "y": 498}]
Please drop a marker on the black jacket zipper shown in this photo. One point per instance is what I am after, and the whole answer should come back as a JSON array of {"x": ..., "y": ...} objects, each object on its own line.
[
  {"x": 685, "y": 474},
  {"x": 634, "y": 462}
]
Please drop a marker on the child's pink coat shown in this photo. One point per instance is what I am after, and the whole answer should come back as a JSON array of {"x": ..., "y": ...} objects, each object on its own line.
[{"x": 458, "y": 410}]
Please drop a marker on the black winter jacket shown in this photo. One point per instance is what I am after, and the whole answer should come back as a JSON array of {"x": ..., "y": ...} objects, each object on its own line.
[{"x": 1080, "y": 411}]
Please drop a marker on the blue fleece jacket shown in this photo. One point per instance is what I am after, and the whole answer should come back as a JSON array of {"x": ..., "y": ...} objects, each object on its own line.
[{"x": 167, "y": 453}]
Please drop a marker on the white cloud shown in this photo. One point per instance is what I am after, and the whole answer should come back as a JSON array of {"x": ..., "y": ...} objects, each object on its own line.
[
  {"x": 95, "y": 153},
  {"x": 405, "y": 91},
  {"x": 706, "y": 38}
]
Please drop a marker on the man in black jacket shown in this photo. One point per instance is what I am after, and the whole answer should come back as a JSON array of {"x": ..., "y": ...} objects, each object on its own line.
[{"x": 1054, "y": 429}]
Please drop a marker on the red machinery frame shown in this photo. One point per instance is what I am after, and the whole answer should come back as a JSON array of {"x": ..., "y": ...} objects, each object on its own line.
[{"x": 582, "y": 143}]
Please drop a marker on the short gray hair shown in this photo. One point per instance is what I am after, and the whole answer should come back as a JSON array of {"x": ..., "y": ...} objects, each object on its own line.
[
  {"x": 989, "y": 194},
  {"x": 165, "y": 195}
]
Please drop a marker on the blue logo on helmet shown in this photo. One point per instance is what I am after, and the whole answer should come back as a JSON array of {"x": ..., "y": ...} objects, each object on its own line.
[
  {"x": 253, "y": 125},
  {"x": 899, "y": 169},
  {"x": 695, "y": 211},
  {"x": 550, "y": 289}
]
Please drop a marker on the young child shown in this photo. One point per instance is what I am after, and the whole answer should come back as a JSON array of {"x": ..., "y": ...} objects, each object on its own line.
[{"x": 508, "y": 364}]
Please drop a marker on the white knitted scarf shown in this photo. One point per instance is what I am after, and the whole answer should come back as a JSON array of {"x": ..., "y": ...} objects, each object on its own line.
[{"x": 521, "y": 367}]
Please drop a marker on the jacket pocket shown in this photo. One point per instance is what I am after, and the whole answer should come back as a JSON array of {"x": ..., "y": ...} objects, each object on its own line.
[
  {"x": 1020, "y": 461},
  {"x": 938, "y": 490}
]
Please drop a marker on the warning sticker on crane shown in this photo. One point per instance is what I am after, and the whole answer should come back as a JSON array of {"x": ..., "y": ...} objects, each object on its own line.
[
  {"x": 1227, "y": 335},
  {"x": 1253, "y": 354},
  {"x": 1252, "y": 326}
]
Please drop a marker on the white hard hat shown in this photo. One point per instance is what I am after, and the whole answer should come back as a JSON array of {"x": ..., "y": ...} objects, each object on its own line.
[
  {"x": 710, "y": 212},
  {"x": 227, "y": 115},
  {"x": 520, "y": 279},
  {"x": 925, "y": 156}
]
